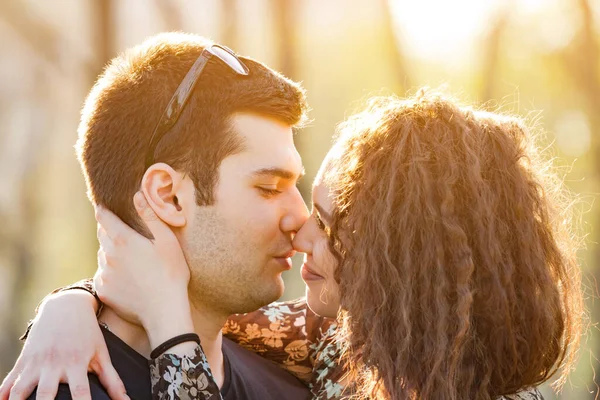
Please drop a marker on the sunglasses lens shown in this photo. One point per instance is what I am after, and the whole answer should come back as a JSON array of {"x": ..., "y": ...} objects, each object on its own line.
[{"x": 230, "y": 60}]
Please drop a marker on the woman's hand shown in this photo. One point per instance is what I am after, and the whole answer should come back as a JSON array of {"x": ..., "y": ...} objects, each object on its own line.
[
  {"x": 65, "y": 343},
  {"x": 143, "y": 281}
]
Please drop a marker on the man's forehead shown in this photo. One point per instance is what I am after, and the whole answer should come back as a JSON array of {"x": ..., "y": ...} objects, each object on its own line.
[
  {"x": 248, "y": 124},
  {"x": 269, "y": 148}
]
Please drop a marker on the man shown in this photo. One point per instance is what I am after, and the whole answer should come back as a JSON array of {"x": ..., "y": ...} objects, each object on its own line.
[{"x": 207, "y": 138}]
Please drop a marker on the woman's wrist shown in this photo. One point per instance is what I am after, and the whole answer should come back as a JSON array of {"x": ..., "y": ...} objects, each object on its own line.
[
  {"x": 72, "y": 296},
  {"x": 64, "y": 298},
  {"x": 182, "y": 349},
  {"x": 173, "y": 345},
  {"x": 167, "y": 323},
  {"x": 161, "y": 334}
]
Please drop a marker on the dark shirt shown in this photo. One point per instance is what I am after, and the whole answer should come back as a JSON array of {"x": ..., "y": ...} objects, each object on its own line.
[{"x": 247, "y": 376}]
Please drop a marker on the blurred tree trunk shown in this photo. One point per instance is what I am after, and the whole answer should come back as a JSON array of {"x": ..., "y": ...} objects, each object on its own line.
[
  {"x": 170, "y": 14},
  {"x": 229, "y": 21},
  {"x": 583, "y": 61},
  {"x": 492, "y": 49},
  {"x": 285, "y": 36},
  {"x": 105, "y": 23},
  {"x": 35, "y": 32}
]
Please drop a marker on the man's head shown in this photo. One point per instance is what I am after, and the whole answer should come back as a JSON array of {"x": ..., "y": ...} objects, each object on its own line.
[{"x": 207, "y": 181}]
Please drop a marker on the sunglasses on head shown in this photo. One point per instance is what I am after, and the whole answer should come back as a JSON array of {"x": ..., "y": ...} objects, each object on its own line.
[{"x": 177, "y": 103}]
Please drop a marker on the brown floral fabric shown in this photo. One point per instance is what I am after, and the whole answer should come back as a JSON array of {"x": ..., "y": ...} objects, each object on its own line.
[{"x": 291, "y": 335}]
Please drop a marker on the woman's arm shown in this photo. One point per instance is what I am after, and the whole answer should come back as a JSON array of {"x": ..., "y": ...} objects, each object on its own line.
[
  {"x": 62, "y": 317},
  {"x": 64, "y": 343},
  {"x": 283, "y": 332},
  {"x": 87, "y": 285}
]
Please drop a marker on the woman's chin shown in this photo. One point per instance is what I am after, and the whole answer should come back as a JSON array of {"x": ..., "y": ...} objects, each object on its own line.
[{"x": 319, "y": 303}]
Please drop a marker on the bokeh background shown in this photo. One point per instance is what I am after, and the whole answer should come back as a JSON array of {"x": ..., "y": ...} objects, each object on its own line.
[{"x": 537, "y": 58}]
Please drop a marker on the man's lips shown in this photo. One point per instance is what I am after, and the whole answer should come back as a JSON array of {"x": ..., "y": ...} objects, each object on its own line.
[
  {"x": 287, "y": 254},
  {"x": 308, "y": 274},
  {"x": 285, "y": 260}
]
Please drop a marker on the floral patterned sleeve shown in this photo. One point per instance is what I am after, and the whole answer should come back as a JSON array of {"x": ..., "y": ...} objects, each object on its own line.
[{"x": 189, "y": 377}]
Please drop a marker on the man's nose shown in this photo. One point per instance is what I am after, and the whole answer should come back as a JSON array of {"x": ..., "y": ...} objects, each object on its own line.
[{"x": 295, "y": 213}]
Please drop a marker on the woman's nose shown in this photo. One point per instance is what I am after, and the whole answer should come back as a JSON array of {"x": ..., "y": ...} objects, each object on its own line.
[
  {"x": 302, "y": 240},
  {"x": 295, "y": 215}
]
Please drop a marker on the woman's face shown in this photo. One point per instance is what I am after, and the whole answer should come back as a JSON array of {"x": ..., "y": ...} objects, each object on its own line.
[{"x": 322, "y": 293}]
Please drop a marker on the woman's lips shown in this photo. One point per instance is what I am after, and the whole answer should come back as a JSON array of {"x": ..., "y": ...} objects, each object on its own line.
[{"x": 308, "y": 274}]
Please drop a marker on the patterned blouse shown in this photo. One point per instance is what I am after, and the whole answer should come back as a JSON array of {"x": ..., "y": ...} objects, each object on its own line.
[{"x": 287, "y": 333}]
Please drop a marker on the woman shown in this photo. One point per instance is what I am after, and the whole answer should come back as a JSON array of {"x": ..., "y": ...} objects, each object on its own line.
[{"x": 441, "y": 243}]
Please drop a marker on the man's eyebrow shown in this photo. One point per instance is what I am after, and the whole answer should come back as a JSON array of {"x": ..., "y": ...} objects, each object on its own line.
[
  {"x": 278, "y": 172},
  {"x": 324, "y": 215}
]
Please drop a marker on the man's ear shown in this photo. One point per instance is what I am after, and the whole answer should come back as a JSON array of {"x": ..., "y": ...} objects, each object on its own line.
[{"x": 168, "y": 193}]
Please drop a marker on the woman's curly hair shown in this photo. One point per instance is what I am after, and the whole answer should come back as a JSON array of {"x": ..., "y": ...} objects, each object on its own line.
[{"x": 457, "y": 265}]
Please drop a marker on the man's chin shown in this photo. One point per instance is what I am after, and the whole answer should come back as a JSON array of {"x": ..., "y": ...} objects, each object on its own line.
[
  {"x": 265, "y": 294},
  {"x": 273, "y": 292}
]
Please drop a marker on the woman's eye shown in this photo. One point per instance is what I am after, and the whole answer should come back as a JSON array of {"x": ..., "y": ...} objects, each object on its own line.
[{"x": 319, "y": 221}]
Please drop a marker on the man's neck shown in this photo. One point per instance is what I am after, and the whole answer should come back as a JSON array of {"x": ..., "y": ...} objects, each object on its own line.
[{"x": 207, "y": 324}]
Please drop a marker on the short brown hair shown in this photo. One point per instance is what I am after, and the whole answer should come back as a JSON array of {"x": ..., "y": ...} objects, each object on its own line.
[
  {"x": 124, "y": 105},
  {"x": 458, "y": 273}
]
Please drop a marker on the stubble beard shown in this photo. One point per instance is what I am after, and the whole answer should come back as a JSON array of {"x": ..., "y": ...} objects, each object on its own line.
[
  {"x": 228, "y": 292},
  {"x": 226, "y": 276}
]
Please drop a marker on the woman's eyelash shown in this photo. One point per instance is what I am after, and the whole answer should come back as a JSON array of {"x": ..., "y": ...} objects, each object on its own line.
[{"x": 320, "y": 223}]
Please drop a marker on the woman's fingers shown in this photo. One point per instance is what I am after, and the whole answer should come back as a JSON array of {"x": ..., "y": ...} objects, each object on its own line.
[
  {"x": 79, "y": 384},
  {"x": 109, "y": 377},
  {"x": 111, "y": 224},
  {"x": 24, "y": 385},
  {"x": 143, "y": 208},
  {"x": 8, "y": 382},
  {"x": 106, "y": 243},
  {"x": 160, "y": 230},
  {"x": 62, "y": 344},
  {"x": 48, "y": 385}
]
